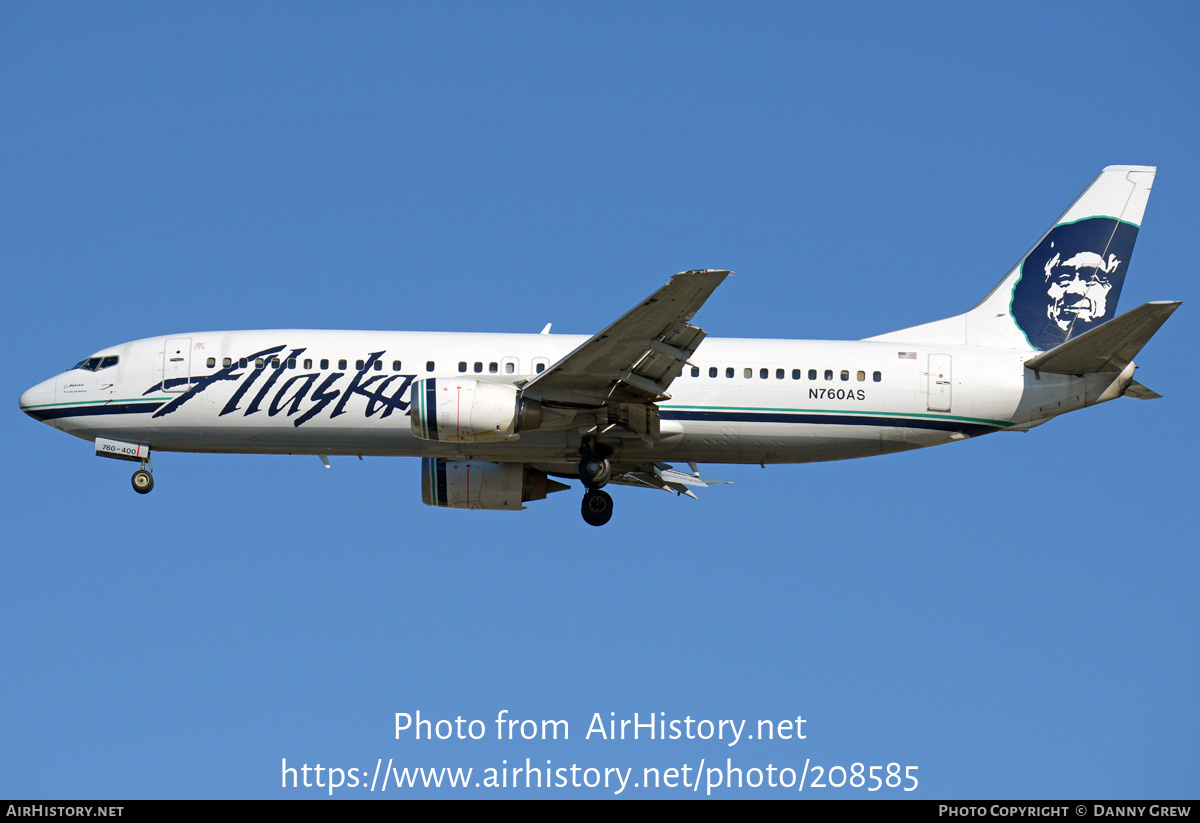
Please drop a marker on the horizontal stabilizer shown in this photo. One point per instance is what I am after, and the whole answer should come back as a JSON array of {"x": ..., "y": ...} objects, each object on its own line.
[
  {"x": 1110, "y": 347},
  {"x": 1140, "y": 392}
]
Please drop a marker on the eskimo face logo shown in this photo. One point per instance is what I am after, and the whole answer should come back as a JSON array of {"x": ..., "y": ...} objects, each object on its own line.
[
  {"x": 1071, "y": 281},
  {"x": 1078, "y": 288}
]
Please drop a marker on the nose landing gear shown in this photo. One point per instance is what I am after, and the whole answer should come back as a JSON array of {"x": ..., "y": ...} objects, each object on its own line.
[{"x": 143, "y": 480}]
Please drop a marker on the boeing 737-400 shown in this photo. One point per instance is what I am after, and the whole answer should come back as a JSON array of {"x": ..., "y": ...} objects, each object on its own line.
[{"x": 497, "y": 417}]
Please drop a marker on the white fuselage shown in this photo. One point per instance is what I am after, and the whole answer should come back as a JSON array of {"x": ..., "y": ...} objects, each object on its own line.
[
  {"x": 497, "y": 415},
  {"x": 743, "y": 400}
]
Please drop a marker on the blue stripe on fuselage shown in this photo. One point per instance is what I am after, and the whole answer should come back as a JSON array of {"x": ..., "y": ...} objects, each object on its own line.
[
  {"x": 90, "y": 411},
  {"x": 832, "y": 419}
]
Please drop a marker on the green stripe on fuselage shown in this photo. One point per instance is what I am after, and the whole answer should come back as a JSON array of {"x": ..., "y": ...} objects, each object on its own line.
[{"x": 999, "y": 423}]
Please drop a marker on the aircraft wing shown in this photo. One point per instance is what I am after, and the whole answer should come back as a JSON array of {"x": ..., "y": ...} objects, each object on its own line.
[{"x": 636, "y": 358}]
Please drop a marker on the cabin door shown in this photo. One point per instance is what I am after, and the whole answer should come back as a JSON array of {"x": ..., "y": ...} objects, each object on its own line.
[
  {"x": 177, "y": 364},
  {"x": 939, "y": 382}
]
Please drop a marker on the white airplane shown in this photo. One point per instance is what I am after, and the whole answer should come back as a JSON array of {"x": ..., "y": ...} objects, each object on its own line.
[{"x": 497, "y": 416}]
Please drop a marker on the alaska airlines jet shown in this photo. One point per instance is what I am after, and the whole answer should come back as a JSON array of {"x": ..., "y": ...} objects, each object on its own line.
[{"x": 497, "y": 417}]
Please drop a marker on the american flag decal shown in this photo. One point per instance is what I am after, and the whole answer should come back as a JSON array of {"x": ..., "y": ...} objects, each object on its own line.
[{"x": 907, "y": 355}]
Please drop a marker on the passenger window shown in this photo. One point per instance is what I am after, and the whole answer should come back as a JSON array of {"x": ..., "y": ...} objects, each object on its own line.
[
  {"x": 324, "y": 363},
  {"x": 429, "y": 365},
  {"x": 712, "y": 371},
  {"x": 395, "y": 365},
  {"x": 812, "y": 374},
  {"x": 478, "y": 367},
  {"x": 378, "y": 365},
  {"x": 763, "y": 374},
  {"x": 258, "y": 364},
  {"x": 541, "y": 367},
  {"x": 876, "y": 376},
  {"x": 308, "y": 362},
  {"x": 291, "y": 362},
  {"x": 462, "y": 365},
  {"x": 242, "y": 363},
  {"x": 358, "y": 364},
  {"x": 729, "y": 371},
  {"x": 795, "y": 374},
  {"x": 779, "y": 374},
  {"x": 510, "y": 367},
  {"x": 227, "y": 362},
  {"x": 695, "y": 371},
  {"x": 493, "y": 368},
  {"x": 829, "y": 374},
  {"x": 341, "y": 365},
  {"x": 212, "y": 362},
  {"x": 748, "y": 373},
  {"x": 862, "y": 375},
  {"x": 274, "y": 362},
  {"x": 845, "y": 374}
]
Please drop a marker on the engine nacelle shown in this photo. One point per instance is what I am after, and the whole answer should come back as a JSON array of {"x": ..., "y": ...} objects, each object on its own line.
[
  {"x": 470, "y": 410},
  {"x": 475, "y": 484}
]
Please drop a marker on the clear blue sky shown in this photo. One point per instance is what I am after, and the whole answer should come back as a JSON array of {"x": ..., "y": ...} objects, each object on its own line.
[{"x": 1015, "y": 615}]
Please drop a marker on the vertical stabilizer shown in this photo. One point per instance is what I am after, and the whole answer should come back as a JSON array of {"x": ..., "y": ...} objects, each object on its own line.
[{"x": 1068, "y": 283}]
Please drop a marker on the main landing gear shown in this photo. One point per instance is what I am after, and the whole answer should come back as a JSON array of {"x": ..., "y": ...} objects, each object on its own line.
[
  {"x": 594, "y": 472},
  {"x": 597, "y": 507},
  {"x": 143, "y": 480}
]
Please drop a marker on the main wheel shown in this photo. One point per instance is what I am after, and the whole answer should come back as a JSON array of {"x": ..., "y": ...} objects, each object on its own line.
[
  {"x": 595, "y": 471},
  {"x": 597, "y": 507},
  {"x": 143, "y": 481}
]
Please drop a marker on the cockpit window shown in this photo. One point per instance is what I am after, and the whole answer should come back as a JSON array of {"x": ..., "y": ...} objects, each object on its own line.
[{"x": 96, "y": 363}]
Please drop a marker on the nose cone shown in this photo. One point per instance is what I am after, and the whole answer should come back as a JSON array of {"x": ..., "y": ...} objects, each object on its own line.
[{"x": 36, "y": 401}]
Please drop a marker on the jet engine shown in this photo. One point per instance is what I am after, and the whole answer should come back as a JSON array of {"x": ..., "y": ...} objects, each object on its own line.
[
  {"x": 475, "y": 484},
  {"x": 470, "y": 410}
]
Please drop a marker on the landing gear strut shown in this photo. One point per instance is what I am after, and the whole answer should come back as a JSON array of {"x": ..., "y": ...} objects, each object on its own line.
[
  {"x": 597, "y": 507},
  {"x": 594, "y": 472},
  {"x": 143, "y": 480}
]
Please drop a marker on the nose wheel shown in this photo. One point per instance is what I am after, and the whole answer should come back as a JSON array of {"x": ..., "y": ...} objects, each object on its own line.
[
  {"x": 597, "y": 507},
  {"x": 143, "y": 480}
]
